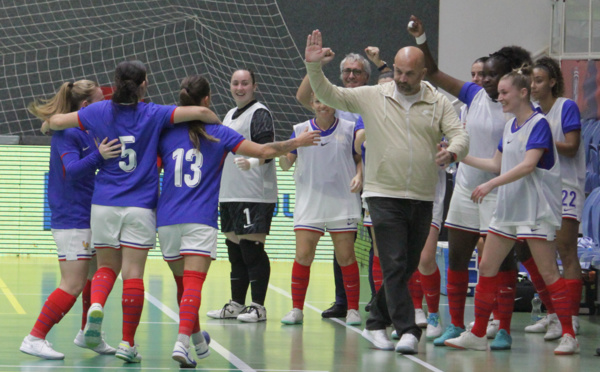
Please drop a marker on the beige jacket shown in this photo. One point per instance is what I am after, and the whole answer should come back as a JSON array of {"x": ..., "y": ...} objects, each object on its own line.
[{"x": 400, "y": 160}]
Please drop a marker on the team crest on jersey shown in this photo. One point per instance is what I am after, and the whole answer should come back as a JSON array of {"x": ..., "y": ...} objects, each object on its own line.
[{"x": 85, "y": 244}]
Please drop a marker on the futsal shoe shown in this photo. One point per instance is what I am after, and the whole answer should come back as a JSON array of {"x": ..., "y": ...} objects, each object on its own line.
[
  {"x": 353, "y": 317},
  {"x": 492, "y": 328},
  {"x": 434, "y": 327},
  {"x": 335, "y": 311},
  {"x": 554, "y": 331},
  {"x": 468, "y": 340},
  {"x": 103, "y": 348},
  {"x": 541, "y": 326},
  {"x": 231, "y": 310},
  {"x": 40, "y": 348},
  {"x": 293, "y": 317},
  {"x": 451, "y": 332},
  {"x": 202, "y": 350},
  {"x": 183, "y": 356},
  {"x": 128, "y": 353},
  {"x": 395, "y": 335},
  {"x": 502, "y": 341},
  {"x": 408, "y": 344},
  {"x": 93, "y": 328},
  {"x": 378, "y": 338},
  {"x": 253, "y": 313},
  {"x": 420, "y": 318},
  {"x": 568, "y": 346}
]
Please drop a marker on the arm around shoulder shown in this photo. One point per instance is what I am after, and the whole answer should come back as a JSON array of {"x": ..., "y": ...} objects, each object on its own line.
[{"x": 63, "y": 121}]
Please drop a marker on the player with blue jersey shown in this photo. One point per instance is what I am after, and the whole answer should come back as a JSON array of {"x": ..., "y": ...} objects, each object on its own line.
[
  {"x": 74, "y": 158},
  {"x": 123, "y": 220},
  {"x": 528, "y": 208},
  {"x": 193, "y": 160}
]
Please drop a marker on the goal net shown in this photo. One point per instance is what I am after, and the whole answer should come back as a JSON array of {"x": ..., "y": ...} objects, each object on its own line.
[{"x": 44, "y": 43}]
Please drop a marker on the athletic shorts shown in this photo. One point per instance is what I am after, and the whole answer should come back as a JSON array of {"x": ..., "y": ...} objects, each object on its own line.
[
  {"x": 572, "y": 203},
  {"x": 116, "y": 227},
  {"x": 339, "y": 226},
  {"x": 466, "y": 215},
  {"x": 367, "y": 218},
  {"x": 185, "y": 239},
  {"x": 542, "y": 231},
  {"x": 245, "y": 218},
  {"x": 73, "y": 244}
]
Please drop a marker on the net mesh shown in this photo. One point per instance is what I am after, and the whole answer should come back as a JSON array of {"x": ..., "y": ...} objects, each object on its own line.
[{"x": 45, "y": 43}]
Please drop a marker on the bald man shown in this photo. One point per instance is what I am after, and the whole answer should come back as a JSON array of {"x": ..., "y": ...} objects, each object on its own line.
[{"x": 405, "y": 121}]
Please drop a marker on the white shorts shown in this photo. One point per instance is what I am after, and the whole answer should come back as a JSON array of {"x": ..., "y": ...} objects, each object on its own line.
[
  {"x": 116, "y": 227},
  {"x": 346, "y": 225},
  {"x": 572, "y": 203},
  {"x": 73, "y": 244},
  {"x": 185, "y": 239},
  {"x": 466, "y": 215},
  {"x": 542, "y": 231}
]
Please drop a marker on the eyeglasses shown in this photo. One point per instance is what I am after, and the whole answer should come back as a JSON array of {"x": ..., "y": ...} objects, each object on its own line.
[{"x": 355, "y": 71}]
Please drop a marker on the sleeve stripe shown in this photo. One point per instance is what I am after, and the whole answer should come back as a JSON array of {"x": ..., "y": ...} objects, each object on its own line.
[
  {"x": 234, "y": 150},
  {"x": 80, "y": 123}
]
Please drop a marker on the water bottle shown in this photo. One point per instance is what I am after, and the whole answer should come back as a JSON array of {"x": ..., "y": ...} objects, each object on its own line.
[
  {"x": 536, "y": 308},
  {"x": 451, "y": 169}
]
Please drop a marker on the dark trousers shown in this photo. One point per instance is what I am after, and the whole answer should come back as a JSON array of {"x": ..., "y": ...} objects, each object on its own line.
[
  {"x": 401, "y": 228},
  {"x": 340, "y": 291}
]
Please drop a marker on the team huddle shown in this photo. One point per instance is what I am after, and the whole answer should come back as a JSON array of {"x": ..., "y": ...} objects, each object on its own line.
[{"x": 519, "y": 187}]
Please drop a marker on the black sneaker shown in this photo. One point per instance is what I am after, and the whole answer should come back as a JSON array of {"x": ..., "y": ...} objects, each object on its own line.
[
  {"x": 368, "y": 306},
  {"x": 335, "y": 311}
]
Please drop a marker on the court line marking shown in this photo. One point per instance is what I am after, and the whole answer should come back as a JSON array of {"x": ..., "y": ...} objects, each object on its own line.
[
  {"x": 306, "y": 304},
  {"x": 11, "y": 298},
  {"x": 237, "y": 362},
  {"x": 137, "y": 368}
]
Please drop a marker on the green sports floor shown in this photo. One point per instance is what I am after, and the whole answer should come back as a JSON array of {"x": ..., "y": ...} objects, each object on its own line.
[{"x": 317, "y": 345}]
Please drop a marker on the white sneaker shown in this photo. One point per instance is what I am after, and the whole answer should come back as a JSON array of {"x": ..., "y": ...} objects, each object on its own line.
[
  {"x": 231, "y": 310},
  {"x": 182, "y": 355},
  {"x": 434, "y": 326},
  {"x": 103, "y": 348},
  {"x": 93, "y": 328},
  {"x": 492, "y": 328},
  {"x": 128, "y": 353},
  {"x": 378, "y": 338},
  {"x": 541, "y": 326},
  {"x": 253, "y": 313},
  {"x": 202, "y": 350},
  {"x": 420, "y": 318},
  {"x": 554, "y": 331},
  {"x": 293, "y": 317},
  {"x": 40, "y": 348},
  {"x": 353, "y": 317},
  {"x": 468, "y": 340},
  {"x": 408, "y": 344},
  {"x": 575, "y": 320},
  {"x": 395, "y": 335},
  {"x": 568, "y": 346}
]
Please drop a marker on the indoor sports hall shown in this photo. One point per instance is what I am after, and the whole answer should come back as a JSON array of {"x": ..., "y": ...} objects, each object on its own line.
[{"x": 44, "y": 43}]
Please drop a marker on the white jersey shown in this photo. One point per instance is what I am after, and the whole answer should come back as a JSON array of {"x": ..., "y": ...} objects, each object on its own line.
[
  {"x": 256, "y": 185},
  {"x": 323, "y": 175},
  {"x": 572, "y": 170},
  {"x": 484, "y": 124},
  {"x": 535, "y": 198}
]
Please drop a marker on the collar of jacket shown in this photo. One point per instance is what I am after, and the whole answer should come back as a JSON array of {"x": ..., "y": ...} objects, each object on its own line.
[{"x": 429, "y": 97}]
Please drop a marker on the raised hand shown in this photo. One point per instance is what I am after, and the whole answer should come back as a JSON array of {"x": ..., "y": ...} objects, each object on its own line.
[
  {"x": 372, "y": 53},
  {"x": 415, "y": 27},
  {"x": 329, "y": 56},
  {"x": 314, "y": 51}
]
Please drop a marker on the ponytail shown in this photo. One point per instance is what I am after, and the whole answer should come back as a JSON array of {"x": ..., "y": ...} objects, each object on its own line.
[{"x": 69, "y": 98}]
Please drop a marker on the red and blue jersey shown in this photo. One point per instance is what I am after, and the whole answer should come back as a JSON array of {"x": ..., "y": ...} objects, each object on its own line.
[
  {"x": 132, "y": 179},
  {"x": 74, "y": 159},
  {"x": 192, "y": 179}
]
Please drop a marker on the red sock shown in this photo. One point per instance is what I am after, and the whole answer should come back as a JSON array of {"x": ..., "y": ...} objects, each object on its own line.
[
  {"x": 300, "y": 278},
  {"x": 133, "y": 304},
  {"x": 351, "y": 279},
  {"x": 485, "y": 291},
  {"x": 85, "y": 302},
  {"x": 539, "y": 284},
  {"x": 56, "y": 306},
  {"x": 377, "y": 274},
  {"x": 102, "y": 284},
  {"x": 505, "y": 298},
  {"x": 190, "y": 301},
  {"x": 574, "y": 286},
  {"x": 416, "y": 290},
  {"x": 457, "y": 287},
  {"x": 561, "y": 299},
  {"x": 431, "y": 288},
  {"x": 179, "y": 282}
]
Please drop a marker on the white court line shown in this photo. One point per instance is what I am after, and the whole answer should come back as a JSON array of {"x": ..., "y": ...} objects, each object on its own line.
[
  {"x": 237, "y": 362},
  {"x": 137, "y": 368},
  {"x": 306, "y": 304}
]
